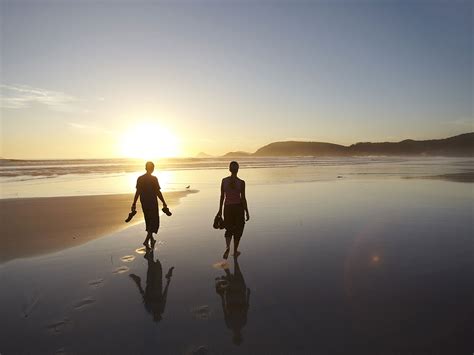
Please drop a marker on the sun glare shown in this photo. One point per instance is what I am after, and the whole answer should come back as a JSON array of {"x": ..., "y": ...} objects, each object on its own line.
[{"x": 149, "y": 141}]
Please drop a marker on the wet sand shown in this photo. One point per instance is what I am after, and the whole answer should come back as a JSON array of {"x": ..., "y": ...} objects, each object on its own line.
[
  {"x": 35, "y": 226},
  {"x": 455, "y": 177},
  {"x": 376, "y": 265}
]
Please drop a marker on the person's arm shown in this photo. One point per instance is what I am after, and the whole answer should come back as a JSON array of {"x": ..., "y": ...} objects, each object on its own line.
[
  {"x": 134, "y": 204},
  {"x": 244, "y": 201},
  {"x": 221, "y": 200},
  {"x": 162, "y": 199},
  {"x": 159, "y": 194}
]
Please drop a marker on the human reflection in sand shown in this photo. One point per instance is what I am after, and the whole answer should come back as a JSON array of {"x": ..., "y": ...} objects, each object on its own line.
[
  {"x": 235, "y": 300},
  {"x": 154, "y": 297}
]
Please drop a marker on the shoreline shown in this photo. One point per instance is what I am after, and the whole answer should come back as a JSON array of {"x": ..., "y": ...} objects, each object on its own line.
[{"x": 34, "y": 226}]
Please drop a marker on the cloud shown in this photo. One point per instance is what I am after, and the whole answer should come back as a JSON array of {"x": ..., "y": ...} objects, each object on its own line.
[
  {"x": 22, "y": 96},
  {"x": 78, "y": 125},
  {"x": 91, "y": 128},
  {"x": 461, "y": 122}
]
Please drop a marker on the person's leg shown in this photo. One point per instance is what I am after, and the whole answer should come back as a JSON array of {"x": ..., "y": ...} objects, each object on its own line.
[
  {"x": 236, "y": 245},
  {"x": 228, "y": 238},
  {"x": 148, "y": 236},
  {"x": 228, "y": 229},
  {"x": 239, "y": 228}
]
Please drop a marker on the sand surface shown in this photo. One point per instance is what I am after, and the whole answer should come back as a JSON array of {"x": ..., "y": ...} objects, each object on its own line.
[
  {"x": 375, "y": 265},
  {"x": 34, "y": 226}
]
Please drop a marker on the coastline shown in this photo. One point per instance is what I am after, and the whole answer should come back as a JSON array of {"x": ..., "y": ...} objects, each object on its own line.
[{"x": 41, "y": 225}]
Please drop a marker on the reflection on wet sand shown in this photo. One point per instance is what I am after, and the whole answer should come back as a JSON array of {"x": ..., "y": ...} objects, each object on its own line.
[
  {"x": 235, "y": 300},
  {"x": 154, "y": 297}
]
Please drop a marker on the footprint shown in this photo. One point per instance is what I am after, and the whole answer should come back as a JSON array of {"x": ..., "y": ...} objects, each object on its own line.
[
  {"x": 201, "y": 312},
  {"x": 83, "y": 303},
  {"x": 141, "y": 250},
  {"x": 121, "y": 269},
  {"x": 202, "y": 350},
  {"x": 127, "y": 258},
  {"x": 30, "y": 305},
  {"x": 96, "y": 283},
  {"x": 56, "y": 327}
]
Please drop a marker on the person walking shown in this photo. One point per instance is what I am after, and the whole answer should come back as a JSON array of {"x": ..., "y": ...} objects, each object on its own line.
[
  {"x": 233, "y": 200},
  {"x": 148, "y": 189}
]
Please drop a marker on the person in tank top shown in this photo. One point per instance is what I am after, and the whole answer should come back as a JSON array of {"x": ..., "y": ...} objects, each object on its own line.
[{"x": 234, "y": 204}]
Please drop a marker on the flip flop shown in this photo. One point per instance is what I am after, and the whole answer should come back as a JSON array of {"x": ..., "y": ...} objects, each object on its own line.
[
  {"x": 166, "y": 211},
  {"x": 130, "y": 216}
]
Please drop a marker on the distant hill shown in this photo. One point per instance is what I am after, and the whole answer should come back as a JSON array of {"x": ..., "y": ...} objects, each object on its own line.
[
  {"x": 203, "y": 155},
  {"x": 293, "y": 148},
  {"x": 461, "y": 145},
  {"x": 237, "y": 154}
]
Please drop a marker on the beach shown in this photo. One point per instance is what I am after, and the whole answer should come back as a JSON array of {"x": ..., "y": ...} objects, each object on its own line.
[
  {"x": 34, "y": 226},
  {"x": 368, "y": 261}
]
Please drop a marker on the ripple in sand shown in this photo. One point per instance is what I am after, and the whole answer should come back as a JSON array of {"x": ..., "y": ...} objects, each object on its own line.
[
  {"x": 202, "y": 350},
  {"x": 121, "y": 269},
  {"x": 201, "y": 312},
  {"x": 83, "y": 303},
  {"x": 127, "y": 258},
  {"x": 221, "y": 265},
  {"x": 141, "y": 250},
  {"x": 56, "y": 327},
  {"x": 30, "y": 305},
  {"x": 96, "y": 283}
]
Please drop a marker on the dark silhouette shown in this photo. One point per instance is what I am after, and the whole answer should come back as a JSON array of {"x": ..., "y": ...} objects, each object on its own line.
[
  {"x": 235, "y": 298},
  {"x": 148, "y": 188},
  {"x": 461, "y": 145},
  {"x": 154, "y": 297},
  {"x": 235, "y": 205}
]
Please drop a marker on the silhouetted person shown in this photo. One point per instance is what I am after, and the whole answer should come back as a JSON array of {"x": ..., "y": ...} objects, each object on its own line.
[
  {"x": 148, "y": 188},
  {"x": 154, "y": 298},
  {"x": 235, "y": 300},
  {"x": 235, "y": 205}
]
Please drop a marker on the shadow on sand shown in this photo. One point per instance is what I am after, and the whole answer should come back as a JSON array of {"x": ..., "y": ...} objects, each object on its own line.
[
  {"x": 154, "y": 297},
  {"x": 235, "y": 300}
]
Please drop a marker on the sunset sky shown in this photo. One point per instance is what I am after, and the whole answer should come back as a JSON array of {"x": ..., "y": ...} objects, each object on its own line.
[{"x": 88, "y": 79}]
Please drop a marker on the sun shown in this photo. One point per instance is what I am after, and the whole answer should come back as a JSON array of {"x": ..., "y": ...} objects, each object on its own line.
[{"x": 149, "y": 141}]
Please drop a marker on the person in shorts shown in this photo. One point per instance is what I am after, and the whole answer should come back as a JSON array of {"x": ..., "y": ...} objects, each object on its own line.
[
  {"x": 235, "y": 208},
  {"x": 148, "y": 189}
]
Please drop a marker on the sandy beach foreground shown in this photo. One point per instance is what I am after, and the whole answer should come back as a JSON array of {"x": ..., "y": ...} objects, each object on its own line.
[
  {"x": 376, "y": 265},
  {"x": 35, "y": 226}
]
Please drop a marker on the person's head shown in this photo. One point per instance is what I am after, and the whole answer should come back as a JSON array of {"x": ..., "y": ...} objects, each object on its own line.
[
  {"x": 234, "y": 167},
  {"x": 150, "y": 167}
]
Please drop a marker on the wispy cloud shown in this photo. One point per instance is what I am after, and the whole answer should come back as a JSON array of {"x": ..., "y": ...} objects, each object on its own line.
[
  {"x": 91, "y": 128},
  {"x": 462, "y": 122},
  {"x": 22, "y": 96}
]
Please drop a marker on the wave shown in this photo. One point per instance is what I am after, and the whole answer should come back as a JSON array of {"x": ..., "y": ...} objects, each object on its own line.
[{"x": 19, "y": 170}]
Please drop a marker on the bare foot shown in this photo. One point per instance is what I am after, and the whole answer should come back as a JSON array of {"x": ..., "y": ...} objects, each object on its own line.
[
  {"x": 153, "y": 242},
  {"x": 236, "y": 253},
  {"x": 226, "y": 253}
]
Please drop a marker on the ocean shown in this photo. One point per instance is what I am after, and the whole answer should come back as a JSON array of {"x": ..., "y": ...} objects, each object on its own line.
[{"x": 47, "y": 178}]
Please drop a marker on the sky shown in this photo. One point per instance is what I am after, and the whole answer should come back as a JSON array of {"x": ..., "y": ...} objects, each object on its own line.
[{"x": 103, "y": 79}]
